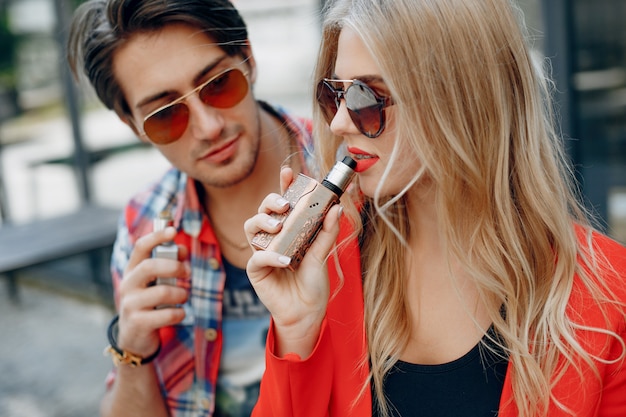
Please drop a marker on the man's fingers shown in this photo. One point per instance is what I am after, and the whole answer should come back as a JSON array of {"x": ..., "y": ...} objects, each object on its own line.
[{"x": 145, "y": 244}]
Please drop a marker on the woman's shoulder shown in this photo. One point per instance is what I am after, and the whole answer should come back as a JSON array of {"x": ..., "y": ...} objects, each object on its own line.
[
  {"x": 609, "y": 250},
  {"x": 601, "y": 244},
  {"x": 604, "y": 258}
]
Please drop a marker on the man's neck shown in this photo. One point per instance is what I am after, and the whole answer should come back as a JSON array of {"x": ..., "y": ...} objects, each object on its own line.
[
  {"x": 246, "y": 196},
  {"x": 228, "y": 208}
]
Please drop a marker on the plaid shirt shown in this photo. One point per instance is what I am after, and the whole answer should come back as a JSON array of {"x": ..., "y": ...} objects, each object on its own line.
[{"x": 190, "y": 352}]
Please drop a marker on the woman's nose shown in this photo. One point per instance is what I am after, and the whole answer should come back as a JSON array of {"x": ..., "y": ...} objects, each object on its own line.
[{"x": 342, "y": 123}]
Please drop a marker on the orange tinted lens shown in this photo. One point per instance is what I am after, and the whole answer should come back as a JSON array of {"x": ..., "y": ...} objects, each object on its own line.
[
  {"x": 226, "y": 90},
  {"x": 167, "y": 125}
]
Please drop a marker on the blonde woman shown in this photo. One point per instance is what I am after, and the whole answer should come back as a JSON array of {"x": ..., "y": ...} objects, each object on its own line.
[{"x": 466, "y": 279}]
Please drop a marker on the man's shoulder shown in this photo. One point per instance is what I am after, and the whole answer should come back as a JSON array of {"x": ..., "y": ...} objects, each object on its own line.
[
  {"x": 156, "y": 197},
  {"x": 300, "y": 129},
  {"x": 169, "y": 183},
  {"x": 299, "y": 125}
]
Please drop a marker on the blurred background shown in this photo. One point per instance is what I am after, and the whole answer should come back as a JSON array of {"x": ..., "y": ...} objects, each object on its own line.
[{"x": 61, "y": 151}]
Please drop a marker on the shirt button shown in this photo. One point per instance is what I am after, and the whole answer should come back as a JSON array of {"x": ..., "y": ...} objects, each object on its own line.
[
  {"x": 206, "y": 404},
  {"x": 214, "y": 264},
  {"x": 210, "y": 335}
]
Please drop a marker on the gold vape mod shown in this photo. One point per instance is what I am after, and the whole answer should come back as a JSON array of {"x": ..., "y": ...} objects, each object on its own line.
[
  {"x": 167, "y": 250},
  {"x": 309, "y": 201}
]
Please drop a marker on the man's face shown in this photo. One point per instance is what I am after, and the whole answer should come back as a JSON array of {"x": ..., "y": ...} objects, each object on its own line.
[{"x": 219, "y": 147}]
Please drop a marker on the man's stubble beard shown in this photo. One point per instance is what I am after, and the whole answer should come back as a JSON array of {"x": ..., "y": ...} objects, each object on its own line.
[{"x": 233, "y": 171}]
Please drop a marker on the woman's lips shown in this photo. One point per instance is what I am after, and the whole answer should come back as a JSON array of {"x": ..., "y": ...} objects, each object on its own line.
[
  {"x": 365, "y": 164},
  {"x": 364, "y": 160}
]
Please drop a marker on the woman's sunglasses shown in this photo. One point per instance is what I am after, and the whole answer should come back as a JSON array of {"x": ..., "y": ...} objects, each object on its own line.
[
  {"x": 168, "y": 123},
  {"x": 365, "y": 107}
]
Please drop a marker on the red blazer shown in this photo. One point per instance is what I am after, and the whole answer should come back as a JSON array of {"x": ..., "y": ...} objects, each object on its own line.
[{"x": 328, "y": 382}]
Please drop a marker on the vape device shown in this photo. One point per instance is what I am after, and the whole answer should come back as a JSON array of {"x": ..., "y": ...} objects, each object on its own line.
[
  {"x": 309, "y": 201},
  {"x": 167, "y": 250}
]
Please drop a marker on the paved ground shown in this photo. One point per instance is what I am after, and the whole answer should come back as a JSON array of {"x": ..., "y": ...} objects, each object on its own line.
[{"x": 51, "y": 361}]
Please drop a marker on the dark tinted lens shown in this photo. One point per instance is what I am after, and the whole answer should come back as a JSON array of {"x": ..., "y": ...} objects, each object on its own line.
[
  {"x": 226, "y": 90},
  {"x": 167, "y": 125},
  {"x": 369, "y": 120},
  {"x": 365, "y": 109},
  {"x": 326, "y": 97}
]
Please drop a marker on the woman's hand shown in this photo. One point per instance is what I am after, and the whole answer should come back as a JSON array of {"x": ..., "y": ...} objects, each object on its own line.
[{"x": 296, "y": 299}]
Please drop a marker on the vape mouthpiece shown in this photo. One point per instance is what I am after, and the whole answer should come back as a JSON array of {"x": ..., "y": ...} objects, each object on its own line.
[
  {"x": 163, "y": 220},
  {"x": 340, "y": 175}
]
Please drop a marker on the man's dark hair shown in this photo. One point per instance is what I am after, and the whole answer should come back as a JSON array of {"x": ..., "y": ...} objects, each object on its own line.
[{"x": 100, "y": 27}]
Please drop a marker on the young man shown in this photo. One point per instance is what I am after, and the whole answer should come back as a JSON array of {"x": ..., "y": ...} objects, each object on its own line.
[{"x": 180, "y": 74}]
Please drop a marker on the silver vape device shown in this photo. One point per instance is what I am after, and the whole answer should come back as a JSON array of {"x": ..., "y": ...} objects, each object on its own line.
[
  {"x": 309, "y": 201},
  {"x": 167, "y": 250}
]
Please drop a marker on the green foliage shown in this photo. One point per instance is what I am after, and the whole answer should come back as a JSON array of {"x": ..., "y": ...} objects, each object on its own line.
[{"x": 8, "y": 45}]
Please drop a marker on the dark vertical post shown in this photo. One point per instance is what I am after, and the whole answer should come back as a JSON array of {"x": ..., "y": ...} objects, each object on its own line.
[
  {"x": 81, "y": 162},
  {"x": 4, "y": 202},
  {"x": 5, "y": 216},
  {"x": 558, "y": 47}
]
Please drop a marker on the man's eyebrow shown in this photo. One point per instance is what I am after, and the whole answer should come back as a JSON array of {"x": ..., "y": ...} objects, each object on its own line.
[
  {"x": 202, "y": 74},
  {"x": 196, "y": 80}
]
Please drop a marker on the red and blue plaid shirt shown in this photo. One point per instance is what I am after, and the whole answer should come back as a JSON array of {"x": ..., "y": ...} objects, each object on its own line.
[{"x": 190, "y": 352}]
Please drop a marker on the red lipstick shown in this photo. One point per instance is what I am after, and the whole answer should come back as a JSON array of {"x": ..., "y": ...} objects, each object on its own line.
[{"x": 364, "y": 160}]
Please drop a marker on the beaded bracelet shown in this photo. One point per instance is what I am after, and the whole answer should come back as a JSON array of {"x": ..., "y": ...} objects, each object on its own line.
[{"x": 120, "y": 356}]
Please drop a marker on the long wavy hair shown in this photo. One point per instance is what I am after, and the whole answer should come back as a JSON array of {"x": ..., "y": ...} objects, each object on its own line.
[{"x": 471, "y": 100}]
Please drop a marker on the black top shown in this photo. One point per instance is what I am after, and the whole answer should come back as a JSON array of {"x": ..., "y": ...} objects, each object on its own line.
[{"x": 467, "y": 387}]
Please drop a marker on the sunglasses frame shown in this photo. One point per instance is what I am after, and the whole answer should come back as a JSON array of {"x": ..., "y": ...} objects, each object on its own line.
[
  {"x": 189, "y": 94},
  {"x": 381, "y": 101}
]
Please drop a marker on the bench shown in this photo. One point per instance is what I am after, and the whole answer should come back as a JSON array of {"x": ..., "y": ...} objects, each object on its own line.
[
  {"x": 93, "y": 156},
  {"x": 89, "y": 230}
]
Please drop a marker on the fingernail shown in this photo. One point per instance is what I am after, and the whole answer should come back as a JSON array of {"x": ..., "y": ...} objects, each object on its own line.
[
  {"x": 340, "y": 212},
  {"x": 272, "y": 222},
  {"x": 285, "y": 260},
  {"x": 282, "y": 202}
]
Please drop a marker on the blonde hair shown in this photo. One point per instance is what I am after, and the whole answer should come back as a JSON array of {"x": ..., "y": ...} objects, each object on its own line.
[{"x": 471, "y": 101}]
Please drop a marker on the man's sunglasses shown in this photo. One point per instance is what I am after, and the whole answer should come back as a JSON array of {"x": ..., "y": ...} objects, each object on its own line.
[
  {"x": 365, "y": 107},
  {"x": 168, "y": 123}
]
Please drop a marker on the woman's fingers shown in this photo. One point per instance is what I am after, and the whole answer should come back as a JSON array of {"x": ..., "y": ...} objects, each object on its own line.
[
  {"x": 327, "y": 236},
  {"x": 262, "y": 263},
  {"x": 261, "y": 223},
  {"x": 273, "y": 203},
  {"x": 286, "y": 178},
  {"x": 268, "y": 217}
]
